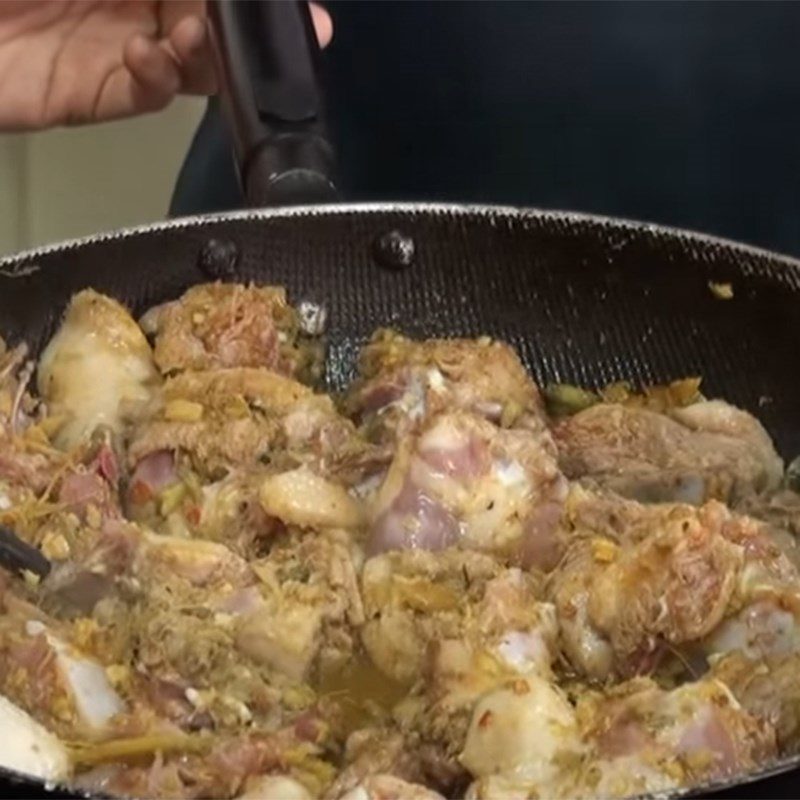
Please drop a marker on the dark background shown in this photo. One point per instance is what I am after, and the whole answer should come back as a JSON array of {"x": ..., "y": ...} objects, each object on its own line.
[{"x": 683, "y": 113}]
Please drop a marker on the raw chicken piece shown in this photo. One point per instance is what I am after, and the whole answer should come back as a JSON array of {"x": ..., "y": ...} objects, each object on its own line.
[
  {"x": 415, "y": 598},
  {"x": 402, "y": 382},
  {"x": 639, "y": 580},
  {"x": 239, "y": 417},
  {"x": 97, "y": 370},
  {"x": 703, "y": 451},
  {"x": 463, "y": 481},
  {"x": 217, "y": 325}
]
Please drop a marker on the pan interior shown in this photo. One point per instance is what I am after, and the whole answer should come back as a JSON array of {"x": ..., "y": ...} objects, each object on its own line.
[{"x": 584, "y": 300}]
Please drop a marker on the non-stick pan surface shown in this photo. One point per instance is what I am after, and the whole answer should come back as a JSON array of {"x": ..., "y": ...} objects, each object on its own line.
[{"x": 584, "y": 299}]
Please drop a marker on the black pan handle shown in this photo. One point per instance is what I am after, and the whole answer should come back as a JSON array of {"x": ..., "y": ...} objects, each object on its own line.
[{"x": 268, "y": 64}]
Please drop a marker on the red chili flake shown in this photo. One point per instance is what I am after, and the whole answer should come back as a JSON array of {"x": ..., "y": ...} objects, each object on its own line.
[{"x": 140, "y": 493}]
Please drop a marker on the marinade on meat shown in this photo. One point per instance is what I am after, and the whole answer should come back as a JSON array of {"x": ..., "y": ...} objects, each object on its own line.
[{"x": 441, "y": 583}]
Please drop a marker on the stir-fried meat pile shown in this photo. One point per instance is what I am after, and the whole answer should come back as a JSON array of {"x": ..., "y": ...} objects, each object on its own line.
[{"x": 442, "y": 583}]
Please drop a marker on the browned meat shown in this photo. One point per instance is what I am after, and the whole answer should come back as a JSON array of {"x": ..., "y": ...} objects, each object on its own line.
[
  {"x": 403, "y": 382},
  {"x": 238, "y": 417},
  {"x": 415, "y": 598},
  {"x": 371, "y": 752},
  {"x": 311, "y": 607},
  {"x": 692, "y": 454},
  {"x": 638, "y": 579},
  {"x": 221, "y": 768},
  {"x": 220, "y": 325},
  {"x": 634, "y": 739},
  {"x": 769, "y": 689},
  {"x": 780, "y": 511},
  {"x": 462, "y": 481}
]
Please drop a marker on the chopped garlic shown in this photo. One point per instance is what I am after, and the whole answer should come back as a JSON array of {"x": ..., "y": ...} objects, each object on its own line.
[
  {"x": 604, "y": 550},
  {"x": 722, "y": 291},
  {"x": 183, "y": 411},
  {"x": 55, "y": 546}
]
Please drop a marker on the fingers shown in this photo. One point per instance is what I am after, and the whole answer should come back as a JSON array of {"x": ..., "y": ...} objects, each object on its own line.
[
  {"x": 155, "y": 77},
  {"x": 191, "y": 45},
  {"x": 181, "y": 62}
]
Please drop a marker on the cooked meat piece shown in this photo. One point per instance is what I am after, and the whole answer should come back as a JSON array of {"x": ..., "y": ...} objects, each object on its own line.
[
  {"x": 415, "y": 598},
  {"x": 29, "y": 747},
  {"x": 279, "y": 787},
  {"x": 97, "y": 370},
  {"x": 634, "y": 739},
  {"x": 370, "y": 753},
  {"x": 238, "y": 417},
  {"x": 769, "y": 689},
  {"x": 463, "y": 481},
  {"x": 122, "y": 557},
  {"x": 45, "y": 674},
  {"x": 780, "y": 511},
  {"x": 692, "y": 454},
  {"x": 310, "y": 610},
  {"x": 402, "y": 382},
  {"x": 28, "y": 461},
  {"x": 221, "y": 767},
  {"x": 645, "y": 739},
  {"x": 503, "y": 637},
  {"x": 388, "y": 787},
  {"x": 26, "y": 469},
  {"x": 18, "y": 409},
  {"x": 302, "y": 498},
  {"x": 91, "y": 489},
  {"x": 520, "y": 733},
  {"x": 638, "y": 580},
  {"x": 218, "y": 325}
]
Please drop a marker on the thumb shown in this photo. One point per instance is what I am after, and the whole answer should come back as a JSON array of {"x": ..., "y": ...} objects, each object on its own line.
[{"x": 323, "y": 24}]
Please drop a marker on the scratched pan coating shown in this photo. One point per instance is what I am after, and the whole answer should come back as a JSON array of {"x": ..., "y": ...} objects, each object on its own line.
[{"x": 584, "y": 299}]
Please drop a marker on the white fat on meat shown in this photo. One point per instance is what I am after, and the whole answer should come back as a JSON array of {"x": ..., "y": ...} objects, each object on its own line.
[
  {"x": 98, "y": 369},
  {"x": 29, "y": 747},
  {"x": 94, "y": 699},
  {"x": 388, "y": 787},
  {"x": 274, "y": 787},
  {"x": 300, "y": 497},
  {"x": 519, "y": 732}
]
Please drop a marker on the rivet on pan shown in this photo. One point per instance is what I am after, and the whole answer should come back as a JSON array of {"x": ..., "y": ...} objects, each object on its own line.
[
  {"x": 394, "y": 250},
  {"x": 218, "y": 259}
]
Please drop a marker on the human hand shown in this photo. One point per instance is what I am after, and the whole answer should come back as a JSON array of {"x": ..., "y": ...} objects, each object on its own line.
[{"x": 68, "y": 62}]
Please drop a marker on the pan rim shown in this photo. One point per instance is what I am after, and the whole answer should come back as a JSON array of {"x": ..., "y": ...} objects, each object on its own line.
[{"x": 520, "y": 213}]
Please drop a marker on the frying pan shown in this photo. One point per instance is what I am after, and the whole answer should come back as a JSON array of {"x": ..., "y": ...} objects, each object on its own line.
[{"x": 584, "y": 299}]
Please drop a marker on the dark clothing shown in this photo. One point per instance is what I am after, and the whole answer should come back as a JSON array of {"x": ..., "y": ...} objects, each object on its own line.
[{"x": 682, "y": 113}]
